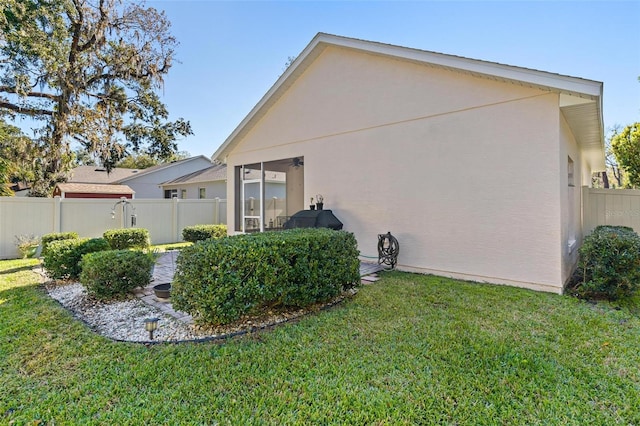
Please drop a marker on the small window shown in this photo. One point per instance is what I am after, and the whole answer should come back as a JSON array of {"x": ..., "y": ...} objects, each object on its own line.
[
  {"x": 202, "y": 193},
  {"x": 170, "y": 193},
  {"x": 183, "y": 194},
  {"x": 570, "y": 171}
]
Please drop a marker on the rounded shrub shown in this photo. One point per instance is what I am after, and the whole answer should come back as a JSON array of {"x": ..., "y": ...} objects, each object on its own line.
[
  {"x": 219, "y": 280},
  {"x": 203, "y": 232},
  {"x": 120, "y": 239},
  {"x": 609, "y": 265},
  {"x": 62, "y": 259},
  {"x": 56, "y": 236},
  {"x": 114, "y": 273}
]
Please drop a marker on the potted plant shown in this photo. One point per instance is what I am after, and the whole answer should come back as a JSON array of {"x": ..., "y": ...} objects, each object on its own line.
[
  {"x": 312, "y": 206},
  {"x": 27, "y": 245},
  {"x": 319, "y": 201}
]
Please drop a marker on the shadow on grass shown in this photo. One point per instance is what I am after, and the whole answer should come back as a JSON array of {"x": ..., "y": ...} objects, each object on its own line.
[{"x": 18, "y": 269}]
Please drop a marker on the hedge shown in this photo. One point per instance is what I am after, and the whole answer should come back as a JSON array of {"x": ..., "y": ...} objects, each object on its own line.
[
  {"x": 203, "y": 232},
  {"x": 609, "y": 264},
  {"x": 218, "y": 281},
  {"x": 120, "y": 239},
  {"x": 62, "y": 259},
  {"x": 56, "y": 236},
  {"x": 114, "y": 273}
]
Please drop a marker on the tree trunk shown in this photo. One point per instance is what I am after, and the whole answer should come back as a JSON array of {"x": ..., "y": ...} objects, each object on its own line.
[{"x": 605, "y": 179}]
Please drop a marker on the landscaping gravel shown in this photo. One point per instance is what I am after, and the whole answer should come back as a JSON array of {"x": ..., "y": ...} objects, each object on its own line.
[{"x": 122, "y": 320}]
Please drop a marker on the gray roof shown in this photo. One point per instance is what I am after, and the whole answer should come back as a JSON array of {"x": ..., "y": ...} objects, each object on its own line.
[
  {"x": 95, "y": 174},
  {"x": 92, "y": 188},
  {"x": 218, "y": 172},
  {"x": 163, "y": 166},
  {"x": 210, "y": 174}
]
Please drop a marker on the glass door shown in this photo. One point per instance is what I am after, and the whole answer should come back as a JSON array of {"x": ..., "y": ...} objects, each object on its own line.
[{"x": 252, "y": 197}]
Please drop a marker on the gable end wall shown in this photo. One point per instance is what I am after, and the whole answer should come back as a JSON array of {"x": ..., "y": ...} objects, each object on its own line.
[{"x": 462, "y": 170}]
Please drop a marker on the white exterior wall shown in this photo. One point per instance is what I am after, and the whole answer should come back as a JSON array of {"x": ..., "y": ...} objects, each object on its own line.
[
  {"x": 570, "y": 198},
  {"x": 149, "y": 185},
  {"x": 462, "y": 170}
]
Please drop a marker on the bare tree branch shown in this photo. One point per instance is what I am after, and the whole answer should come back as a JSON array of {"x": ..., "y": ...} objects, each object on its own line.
[
  {"x": 27, "y": 111},
  {"x": 12, "y": 90}
]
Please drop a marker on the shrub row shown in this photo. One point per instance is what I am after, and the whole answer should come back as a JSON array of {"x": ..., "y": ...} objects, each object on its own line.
[
  {"x": 114, "y": 273},
  {"x": 120, "y": 239},
  {"x": 609, "y": 265},
  {"x": 219, "y": 280},
  {"x": 62, "y": 259},
  {"x": 103, "y": 265},
  {"x": 196, "y": 233}
]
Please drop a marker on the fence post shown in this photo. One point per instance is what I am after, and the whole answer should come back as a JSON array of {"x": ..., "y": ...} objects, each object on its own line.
[
  {"x": 57, "y": 213},
  {"x": 174, "y": 219},
  {"x": 216, "y": 211}
]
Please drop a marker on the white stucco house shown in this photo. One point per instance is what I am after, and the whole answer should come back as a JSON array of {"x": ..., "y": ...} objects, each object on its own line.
[
  {"x": 146, "y": 183},
  {"x": 474, "y": 166}
]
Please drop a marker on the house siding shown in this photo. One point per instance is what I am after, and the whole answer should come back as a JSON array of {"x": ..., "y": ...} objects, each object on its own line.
[
  {"x": 213, "y": 189},
  {"x": 570, "y": 199}
]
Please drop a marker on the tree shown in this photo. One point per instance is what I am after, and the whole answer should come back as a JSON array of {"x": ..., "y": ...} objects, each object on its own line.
[
  {"x": 5, "y": 190},
  {"x": 82, "y": 157},
  {"x": 88, "y": 70},
  {"x": 626, "y": 147},
  {"x": 144, "y": 160},
  {"x": 19, "y": 157},
  {"x": 141, "y": 161},
  {"x": 612, "y": 167}
]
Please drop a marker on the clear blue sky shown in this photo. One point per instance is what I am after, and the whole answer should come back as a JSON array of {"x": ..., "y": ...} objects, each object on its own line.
[{"x": 231, "y": 53}]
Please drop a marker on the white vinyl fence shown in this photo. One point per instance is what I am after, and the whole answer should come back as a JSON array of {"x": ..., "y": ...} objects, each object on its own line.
[
  {"x": 164, "y": 219},
  {"x": 610, "y": 207}
]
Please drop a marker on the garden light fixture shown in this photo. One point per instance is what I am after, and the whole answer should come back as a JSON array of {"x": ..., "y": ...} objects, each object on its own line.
[{"x": 151, "y": 324}]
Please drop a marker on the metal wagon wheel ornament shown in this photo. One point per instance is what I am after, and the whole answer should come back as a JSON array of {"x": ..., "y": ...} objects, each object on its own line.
[{"x": 388, "y": 249}]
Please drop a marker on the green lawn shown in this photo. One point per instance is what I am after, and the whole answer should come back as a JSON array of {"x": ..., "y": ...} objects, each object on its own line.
[{"x": 410, "y": 349}]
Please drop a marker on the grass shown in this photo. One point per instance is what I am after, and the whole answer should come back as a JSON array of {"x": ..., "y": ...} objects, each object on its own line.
[
  {"x": 160, "y": 248},
  {"x": 410, "y": 349}
]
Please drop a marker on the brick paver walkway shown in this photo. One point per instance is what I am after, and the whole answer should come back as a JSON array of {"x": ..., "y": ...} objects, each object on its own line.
[{"x": 163, "y": 273}]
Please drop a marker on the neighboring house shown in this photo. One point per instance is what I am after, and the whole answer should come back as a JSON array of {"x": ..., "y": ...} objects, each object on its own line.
[
  {"x": 212, "y": 183},
  {"x": 92, "y": 190},
  {"x": 474, "y": 166},
  {"x": 206, "y": 183},
  {"x": 145, "y": 182}
]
